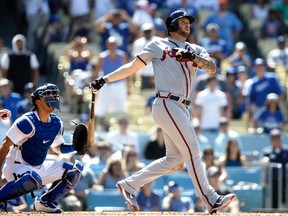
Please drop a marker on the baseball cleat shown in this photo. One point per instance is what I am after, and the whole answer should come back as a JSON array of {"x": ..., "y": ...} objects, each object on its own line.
[
  {"x": 129, "y": 198},
  {"x": 222, "y": 202},
  {"x": 46, "y": 207}
]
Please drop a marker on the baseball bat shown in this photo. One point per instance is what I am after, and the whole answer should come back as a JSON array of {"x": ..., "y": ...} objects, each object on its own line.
[{"x": 91, "y": 131}]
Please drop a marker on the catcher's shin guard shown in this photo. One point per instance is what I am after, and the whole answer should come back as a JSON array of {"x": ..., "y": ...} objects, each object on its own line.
[
  {"x": 26, "y": 183},
  {"x": 61, "y": 187}
]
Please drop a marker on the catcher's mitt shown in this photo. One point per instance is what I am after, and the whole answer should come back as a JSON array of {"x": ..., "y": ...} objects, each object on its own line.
[{"x": 80, "y": 137}]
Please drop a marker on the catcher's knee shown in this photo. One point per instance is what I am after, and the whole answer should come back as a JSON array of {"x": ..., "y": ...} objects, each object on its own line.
[{"x": 72, "y": 172}]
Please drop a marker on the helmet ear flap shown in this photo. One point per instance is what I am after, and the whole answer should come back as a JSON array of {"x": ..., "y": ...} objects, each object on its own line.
[{"x": 171, "y": 26}]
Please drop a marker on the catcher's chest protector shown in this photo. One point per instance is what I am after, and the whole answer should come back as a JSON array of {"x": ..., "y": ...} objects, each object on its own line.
[{"x": 34, "y": 150}]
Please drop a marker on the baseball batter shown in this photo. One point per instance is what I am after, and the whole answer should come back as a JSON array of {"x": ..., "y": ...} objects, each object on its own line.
[
  {"x": 27, "y": 143},
  {"x": 175, "y": 63}
]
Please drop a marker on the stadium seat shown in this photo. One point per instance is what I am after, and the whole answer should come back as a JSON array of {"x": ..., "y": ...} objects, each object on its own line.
[
  {"x": 182, "y": 179},
  {"x": 106, "y": 198},
  {"x": 250, "y": 198},
  {"x": 244, "y": 174},
  {"x": 159, "y": 183},
  {"x": 254, "y": 142}
]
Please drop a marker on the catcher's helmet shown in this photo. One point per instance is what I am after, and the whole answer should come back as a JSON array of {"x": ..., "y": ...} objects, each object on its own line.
[
  {"x": 51, "y": 94},
  {"x": 171, "y": 21}
]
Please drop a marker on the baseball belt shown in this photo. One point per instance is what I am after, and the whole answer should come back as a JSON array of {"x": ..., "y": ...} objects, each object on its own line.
[{"x": 174, "y": 97}]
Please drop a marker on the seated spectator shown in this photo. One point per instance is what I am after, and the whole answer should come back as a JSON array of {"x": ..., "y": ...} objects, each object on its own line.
[
  {"x": 147, "y": 199},
  {"x": 282, "y": 7},
  {"x": 203, "y": 140},
  {"x": 225, "y": 134},
  {"x": 274, "y": 25},
  {"x": 131, "y": 163},
  {"x": 240, "y": 57},
  {"x": 214, "y": 174},
  {"x": 277, "y": 58},
  {"x": 260, "y": 9},
  {"x": 209, "y": 160},
  {"x": 111, "y": 174},
  {"x": 122, "y": 136},
  {"x": 174, "y": 201},
  {"x": 9, "y": 98},
  {"x": 98, "y": 157},
  {"x": 233, "y": 156},
  {"x": 25, "y": 105},
  {"x": 156, "y": 148},
  {"x": 270, "y": 116},
  {"x": 277, "y": 153}
]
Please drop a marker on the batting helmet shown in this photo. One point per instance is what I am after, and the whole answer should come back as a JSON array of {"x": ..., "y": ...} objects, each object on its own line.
[
  {"x": 51, "y": 94},
  {"x": 171, "y": 21}
]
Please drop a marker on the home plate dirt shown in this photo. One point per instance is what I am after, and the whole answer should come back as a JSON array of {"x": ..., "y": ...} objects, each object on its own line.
[{"x": 110, "y": 213}]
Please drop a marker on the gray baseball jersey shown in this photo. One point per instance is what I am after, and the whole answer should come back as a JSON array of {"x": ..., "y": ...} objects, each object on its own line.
[{"x": 173, "y": 77}]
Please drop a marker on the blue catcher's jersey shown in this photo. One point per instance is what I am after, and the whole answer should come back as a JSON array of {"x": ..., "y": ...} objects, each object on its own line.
[{"x": 34, "y": 150}]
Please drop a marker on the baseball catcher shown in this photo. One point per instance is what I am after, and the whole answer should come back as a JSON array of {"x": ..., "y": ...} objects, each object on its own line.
[{"x": 25, "y": 149}]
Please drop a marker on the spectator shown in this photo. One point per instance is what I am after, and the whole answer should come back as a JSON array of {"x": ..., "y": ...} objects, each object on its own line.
[
  {"x": 274, "y": 25},
  {"x": 225, "y": 134},
  {"x": 25, "y": 105},
  {"x": 235, "y": 95},
  {"x": 80, "y": 18},
  {"x": 214, "y": 178},
  {"x": 156, "y": 148},
  {"x": 101, "y": 9},
  {"x": 158, "y": 21},
  {"x": 147, "y": 199},
  {"x": 174, "y": 201},
  {"x": 147, "y": 73},
  {"x": 52, "y": 32},
  {"x": 3, "y": 49},
  {"x": 277, "y": 153},
  {"x": 260, "y": 9},
  {"x": 8, "y": 97},
  {"x": 111, "y": 174},
  {"x": 282, "y": 7},
  {"x": 123, "y": 136},
  {"x": 240, "y": 57},
  {"x": 119, "y": 24},
  {"x": 270, "y": 116},
  {"x": 262, "y": 84},
  {"x": 228, "y": 22},
  {"x": 203, "y": 140},
  {"x": 20, "y": 66},
  {"x": 99, "y": 156},
  {"x": 233, "y": 156},
  {"x": 37, "y": 13},
  {"x": 278, "y": 58},
  {"x": 79, "y": 56},
  {"x": 210, "y": 98},
  {"x": 109, "y": 60},
  {"x": 209, "y": 160},
  {"x": 131, "y": 163},
  {"x": 215, "y": 46},
  {"x": 141, "y": 13}
]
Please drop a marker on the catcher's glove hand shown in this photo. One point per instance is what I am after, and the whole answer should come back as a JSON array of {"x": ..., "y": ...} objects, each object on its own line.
[
  {"x": 183, "y": 55},
  {"x": 80, "y": 138},
  {"x": 97, "y": 84}
]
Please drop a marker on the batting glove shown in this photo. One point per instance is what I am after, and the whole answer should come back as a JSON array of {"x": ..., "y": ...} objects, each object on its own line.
[
  {"x": 97, "y": 84},
  {"x": 183, "y": 55}
]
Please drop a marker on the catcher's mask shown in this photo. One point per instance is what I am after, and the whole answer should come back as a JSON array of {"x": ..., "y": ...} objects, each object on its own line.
[
  {"x": 172, "y": 23},
  {"x": 50, "y": 94}
]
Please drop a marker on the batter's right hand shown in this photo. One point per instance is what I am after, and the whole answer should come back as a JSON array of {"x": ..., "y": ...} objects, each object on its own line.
[{"x": 97, "y": 84}]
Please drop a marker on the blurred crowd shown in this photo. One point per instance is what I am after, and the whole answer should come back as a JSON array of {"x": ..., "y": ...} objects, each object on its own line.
[{"x": 249, "y": 86}]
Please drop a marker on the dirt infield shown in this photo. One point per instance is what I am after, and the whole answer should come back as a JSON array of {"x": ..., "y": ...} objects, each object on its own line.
[{"x": 111, "y": 213}]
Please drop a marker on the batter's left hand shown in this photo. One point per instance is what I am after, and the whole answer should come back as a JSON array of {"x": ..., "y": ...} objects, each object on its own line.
[
  {"x": 97, "y": 84},
  {"x": 5, "y": 114},
  {"x": 183, "y": 55}
]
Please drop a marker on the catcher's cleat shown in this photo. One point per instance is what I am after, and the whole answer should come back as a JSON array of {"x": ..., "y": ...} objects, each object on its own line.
[
  {"x": 129, "y": 198},
  {"x": 46, "y": 207},
  {"x": 222, "y": 202}
]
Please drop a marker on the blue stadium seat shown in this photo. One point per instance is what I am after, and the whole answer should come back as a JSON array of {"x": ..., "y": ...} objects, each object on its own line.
[
  {"x": 160, "y": 182},
  {"x": 244, "y": 174},
  {"x": 254, "y": 142},
  {"x": 182, "y": 179},
  {"x": 106, "y": 198},
  {"x": 250, "y": 198}
]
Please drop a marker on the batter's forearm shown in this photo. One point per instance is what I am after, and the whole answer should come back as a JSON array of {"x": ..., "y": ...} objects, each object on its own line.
[{"x": 205, "y": 64}]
